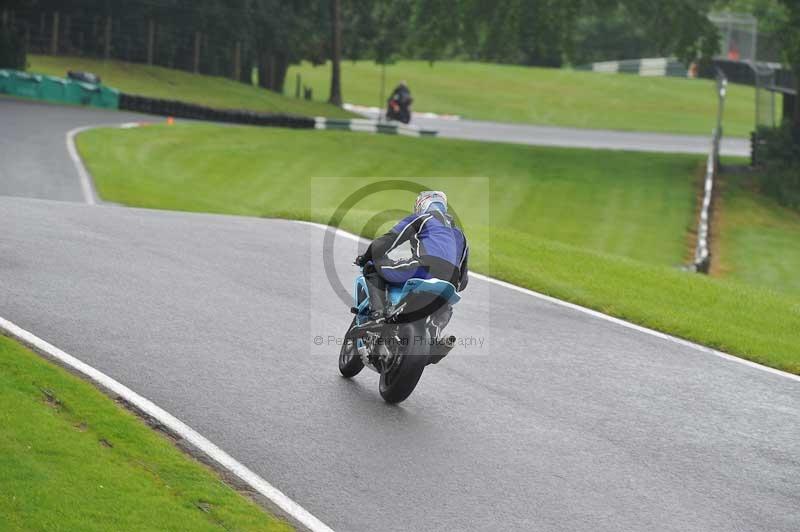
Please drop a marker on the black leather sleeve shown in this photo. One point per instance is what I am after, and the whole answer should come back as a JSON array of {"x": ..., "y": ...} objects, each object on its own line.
[
  {"x": 464, "y": 278},
  {"x": 380, "y": 246}
]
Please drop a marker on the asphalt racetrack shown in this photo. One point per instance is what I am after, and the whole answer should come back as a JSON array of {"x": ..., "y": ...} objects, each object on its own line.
[
  {"x": 560, "y": 421},
  {"x": 578, "y": 138}
]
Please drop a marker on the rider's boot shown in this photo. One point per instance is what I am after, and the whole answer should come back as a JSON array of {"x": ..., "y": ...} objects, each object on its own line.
[{"x": 377, "y": 302}]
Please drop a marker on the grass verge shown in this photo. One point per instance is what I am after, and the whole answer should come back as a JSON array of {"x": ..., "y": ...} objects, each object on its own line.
[
  {"x": 159, "y": 82},
  {"x": 630, "y": 204},
  {"x": 71, "y": 459},
  {"x": 758, "y": 238},
  {"x": 537, "y": 196},
  {"x": 547, "y": 96}
]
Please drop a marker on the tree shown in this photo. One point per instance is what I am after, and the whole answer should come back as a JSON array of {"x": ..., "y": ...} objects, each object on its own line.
[
  {"x": 675, "y": 27},
  {"x": 12, "y": 49},
  {"x": 336, "y": 53},
  {"x": 791, "y": 42}
]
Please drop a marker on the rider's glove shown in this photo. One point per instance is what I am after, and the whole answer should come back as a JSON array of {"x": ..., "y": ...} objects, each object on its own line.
[{"x": 361, "y": 260}]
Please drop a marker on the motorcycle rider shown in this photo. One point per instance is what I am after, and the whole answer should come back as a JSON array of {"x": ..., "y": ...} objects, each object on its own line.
[
  {"x": 399, "y": 104},
  {"x": 439, "y": 250}
]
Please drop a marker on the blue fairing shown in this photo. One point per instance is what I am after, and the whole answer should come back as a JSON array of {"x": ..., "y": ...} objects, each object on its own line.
[
  {"x": 397, "y": 293},
  {"x": 432, "y": 286}
]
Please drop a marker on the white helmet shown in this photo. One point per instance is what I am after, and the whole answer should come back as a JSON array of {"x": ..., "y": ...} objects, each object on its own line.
[{"x": 431, "y": 199}]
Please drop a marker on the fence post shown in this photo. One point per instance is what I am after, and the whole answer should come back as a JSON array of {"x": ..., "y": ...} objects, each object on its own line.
[
  {"x": 196, "y": 52},
  {"x": 151, "y": 37},
  {"x": 107, "y": 43},
  {"x": 237, "y": 61},
  {"x": 54, "y": 35}
]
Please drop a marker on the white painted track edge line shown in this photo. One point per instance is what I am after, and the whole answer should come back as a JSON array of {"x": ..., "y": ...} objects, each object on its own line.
[
  {"x": 593, "y": 313},
  {"x": 87, "y": 185},
  {"x": 291, "y": 508}
]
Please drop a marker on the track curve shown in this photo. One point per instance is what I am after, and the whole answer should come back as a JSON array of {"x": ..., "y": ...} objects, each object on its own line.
[{"x": 564, "y": 422}]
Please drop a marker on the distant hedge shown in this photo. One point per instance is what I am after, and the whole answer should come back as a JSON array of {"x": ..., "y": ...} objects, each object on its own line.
[
  {"x": 778, "y": 156},
  {"x": 12, "y": 50}
]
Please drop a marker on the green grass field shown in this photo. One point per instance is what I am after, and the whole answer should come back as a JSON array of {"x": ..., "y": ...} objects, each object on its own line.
[
  {"x": 759, "y": 240},
  {"x": 546, "y": 96},
  {"x": 558, "y": 221},
  {"x": 71, "y": 459},
  {"x": 158, "y": 82},
  {"x": 634, "y": 205}
]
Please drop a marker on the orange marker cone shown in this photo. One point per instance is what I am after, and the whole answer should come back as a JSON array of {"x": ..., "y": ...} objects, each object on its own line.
[{"x": 170, "y": 120}]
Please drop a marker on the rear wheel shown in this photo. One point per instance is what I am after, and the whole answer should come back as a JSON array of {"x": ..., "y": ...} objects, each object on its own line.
[
  {"x": 350, "y": 363},
  {"x": 401, "y": 377}
]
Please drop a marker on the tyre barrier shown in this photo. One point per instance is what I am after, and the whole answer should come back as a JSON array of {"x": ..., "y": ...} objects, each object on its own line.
[{"x": 192, "y": 111}]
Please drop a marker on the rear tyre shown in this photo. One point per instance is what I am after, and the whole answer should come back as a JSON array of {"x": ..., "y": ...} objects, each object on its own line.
[
  {"x": 397, "y": 383},
  {"x": 350, "y": 363}
]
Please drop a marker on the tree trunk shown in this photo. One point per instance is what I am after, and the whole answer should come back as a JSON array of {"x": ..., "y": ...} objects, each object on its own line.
[
  {"x": 151, "y": 37},
  {"x": 107, "y": 39},
  {"x": 263, "y": 70},
  {"x": 237, "y": 61},
  {"x": 279, "y": 73},
  {"x": 54, "y": 36},
  {"x": 66, "y": 36},
  {"x": 246, "y": 73},
  {"x": 271, "y": 78},
  {"x": 196, "y": 63},
  {"x": 336, "y": 53},
  {"x": 796, "y": 120}
]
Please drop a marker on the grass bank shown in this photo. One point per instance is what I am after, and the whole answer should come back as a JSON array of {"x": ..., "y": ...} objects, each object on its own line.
[
  {"x": 71, "y": 459},
  {"x": 759, "y": 240},
  {"x": 159, "y": 82},
  {"x": 559, "y": 218},
  {"x": 546, "y": 96},
  {"x": 629, "y": 204}
]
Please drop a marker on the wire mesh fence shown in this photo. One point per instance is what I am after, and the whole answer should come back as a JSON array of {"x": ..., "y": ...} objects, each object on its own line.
[
  {"x": 738, "y": 35},
  {"x": 765, "y": 96}
]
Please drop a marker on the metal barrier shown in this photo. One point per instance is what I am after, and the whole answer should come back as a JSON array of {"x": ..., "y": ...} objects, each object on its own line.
[
  {"x": 57, "y": 90},
  {"x": 702, "y": 253}
]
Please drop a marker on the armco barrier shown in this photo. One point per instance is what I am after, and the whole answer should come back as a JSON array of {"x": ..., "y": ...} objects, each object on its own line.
[
  {"x": 702, "y": 253},
  {"x": 177, "y": 109},
  {"x": 57, "y": 90}
]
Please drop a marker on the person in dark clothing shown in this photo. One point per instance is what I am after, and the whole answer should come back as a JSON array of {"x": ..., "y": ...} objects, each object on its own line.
[
  {"x": 399, "y": 104},
  {"x": 439, "y": 250}
]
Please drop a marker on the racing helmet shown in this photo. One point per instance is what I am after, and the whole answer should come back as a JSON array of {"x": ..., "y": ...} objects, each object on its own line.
[{"x": 431, "y": 199}]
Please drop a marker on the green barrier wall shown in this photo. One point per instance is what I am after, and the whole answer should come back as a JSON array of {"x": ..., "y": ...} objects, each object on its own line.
[{"x": 57, "y": 90}]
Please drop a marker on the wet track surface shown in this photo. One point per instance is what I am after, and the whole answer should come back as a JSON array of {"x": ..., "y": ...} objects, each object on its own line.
[{"x": 561, "y": 422}]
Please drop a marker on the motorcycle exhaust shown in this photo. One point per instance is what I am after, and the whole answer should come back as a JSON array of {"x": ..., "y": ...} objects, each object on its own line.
[{"x": 440, "y": 349}]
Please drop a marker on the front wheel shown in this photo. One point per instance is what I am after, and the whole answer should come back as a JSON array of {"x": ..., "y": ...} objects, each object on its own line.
[
  {"x": 399, "y": 380},
  {"x": 350, "y": 363}
]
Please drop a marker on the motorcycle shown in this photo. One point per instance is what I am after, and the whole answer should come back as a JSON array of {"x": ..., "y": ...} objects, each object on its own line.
[
  {"x": 399, "y": 111},
  {"x": 410, "y": 338}
]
